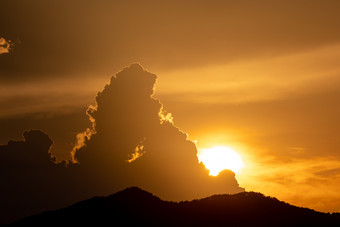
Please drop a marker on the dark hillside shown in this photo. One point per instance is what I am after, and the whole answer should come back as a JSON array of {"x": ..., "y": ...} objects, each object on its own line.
[{"x": 133, "y": 206}]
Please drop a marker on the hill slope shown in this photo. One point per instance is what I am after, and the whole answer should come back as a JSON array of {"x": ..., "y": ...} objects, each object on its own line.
[{"x": 133, "y": 206}]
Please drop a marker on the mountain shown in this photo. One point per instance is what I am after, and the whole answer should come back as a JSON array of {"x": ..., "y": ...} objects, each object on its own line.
[{"x": 136, "y": 207}]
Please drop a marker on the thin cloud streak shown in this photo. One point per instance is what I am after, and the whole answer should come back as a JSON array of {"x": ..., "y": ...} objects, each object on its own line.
[
  {"x": 244, "y": 81},
  {"x": 295, "y": 180},
  {"x": 255, "y": 80},
  {"x": 60, "y": 96}
]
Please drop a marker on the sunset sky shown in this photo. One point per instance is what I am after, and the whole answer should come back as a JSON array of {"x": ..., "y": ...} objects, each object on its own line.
[{"x": 259, "y": 77}]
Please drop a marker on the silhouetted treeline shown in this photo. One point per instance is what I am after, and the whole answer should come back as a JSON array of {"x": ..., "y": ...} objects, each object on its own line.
[{"x": 135, "y": 207}]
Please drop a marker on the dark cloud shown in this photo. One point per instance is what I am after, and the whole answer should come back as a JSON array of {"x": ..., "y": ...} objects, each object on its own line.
[
  {"x": 132, "y": 142},
  {"x": 31, "y": 181},
  {"x": 33, "y": 140},
  {"x": 61, "y": 127}
]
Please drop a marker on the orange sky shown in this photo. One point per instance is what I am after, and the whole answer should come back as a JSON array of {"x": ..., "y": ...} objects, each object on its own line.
[{"x": 262, "y": 78}]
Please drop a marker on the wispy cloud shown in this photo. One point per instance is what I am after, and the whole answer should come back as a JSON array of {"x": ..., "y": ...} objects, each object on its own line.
[
  {"x": 255, "y": 80},
  {"x": 308, "y": 182},
  {"x": 48, "y": 95}
]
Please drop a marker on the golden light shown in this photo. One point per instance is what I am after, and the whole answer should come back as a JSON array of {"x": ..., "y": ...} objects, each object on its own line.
[{"x": 219, "y": 158}]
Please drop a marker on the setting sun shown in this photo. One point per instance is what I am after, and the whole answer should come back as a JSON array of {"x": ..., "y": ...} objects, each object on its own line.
[{"x": 219, "y": 158}]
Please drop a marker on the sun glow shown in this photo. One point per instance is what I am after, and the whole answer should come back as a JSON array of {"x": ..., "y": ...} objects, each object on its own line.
[{"x": 219, "y": 158}]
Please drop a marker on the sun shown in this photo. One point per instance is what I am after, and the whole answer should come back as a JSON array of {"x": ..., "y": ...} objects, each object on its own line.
[{"x": 219, "y": 158}]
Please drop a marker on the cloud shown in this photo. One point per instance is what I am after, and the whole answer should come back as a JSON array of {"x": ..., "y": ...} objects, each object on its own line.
[
  {"x": 259, "y": 80},
  {"x": 305, "y": 181},
  {"x": 132, "y": 141},
  {"x": 31, "y": 181},
  {"x": 5, "y": 45},
  {"x": 33, "y": 140},
  {"x": 82, "y": 137},
  {"x": 224, "y": 32},
  {"x": 49, "y": 95}
]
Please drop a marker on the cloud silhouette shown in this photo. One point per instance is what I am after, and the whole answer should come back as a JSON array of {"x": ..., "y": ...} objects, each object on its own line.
[
  {"x": 18, "y": 151},
  {"x": 31, "y": 181},
  {"x": 133, "y": 141}
]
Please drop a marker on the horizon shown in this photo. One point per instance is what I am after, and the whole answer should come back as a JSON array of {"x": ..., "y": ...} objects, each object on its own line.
[{"x": 243, "y": 209}]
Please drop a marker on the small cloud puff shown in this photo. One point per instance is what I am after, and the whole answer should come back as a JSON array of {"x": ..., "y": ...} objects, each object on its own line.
[{"x": 5, "y": 45}]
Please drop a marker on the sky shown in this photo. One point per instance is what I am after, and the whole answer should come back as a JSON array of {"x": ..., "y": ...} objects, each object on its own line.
[{"x": 261, "y": 77}]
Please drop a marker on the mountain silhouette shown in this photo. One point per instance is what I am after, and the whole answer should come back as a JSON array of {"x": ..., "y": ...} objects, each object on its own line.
[{"x": 134, "y": 206}]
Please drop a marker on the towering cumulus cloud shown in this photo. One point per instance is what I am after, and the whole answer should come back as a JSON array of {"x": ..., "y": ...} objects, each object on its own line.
[{"x": 134, "y": 142}]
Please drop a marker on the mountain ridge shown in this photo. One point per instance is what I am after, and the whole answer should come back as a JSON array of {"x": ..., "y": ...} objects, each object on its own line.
[{"x": 134, "y": 206}]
